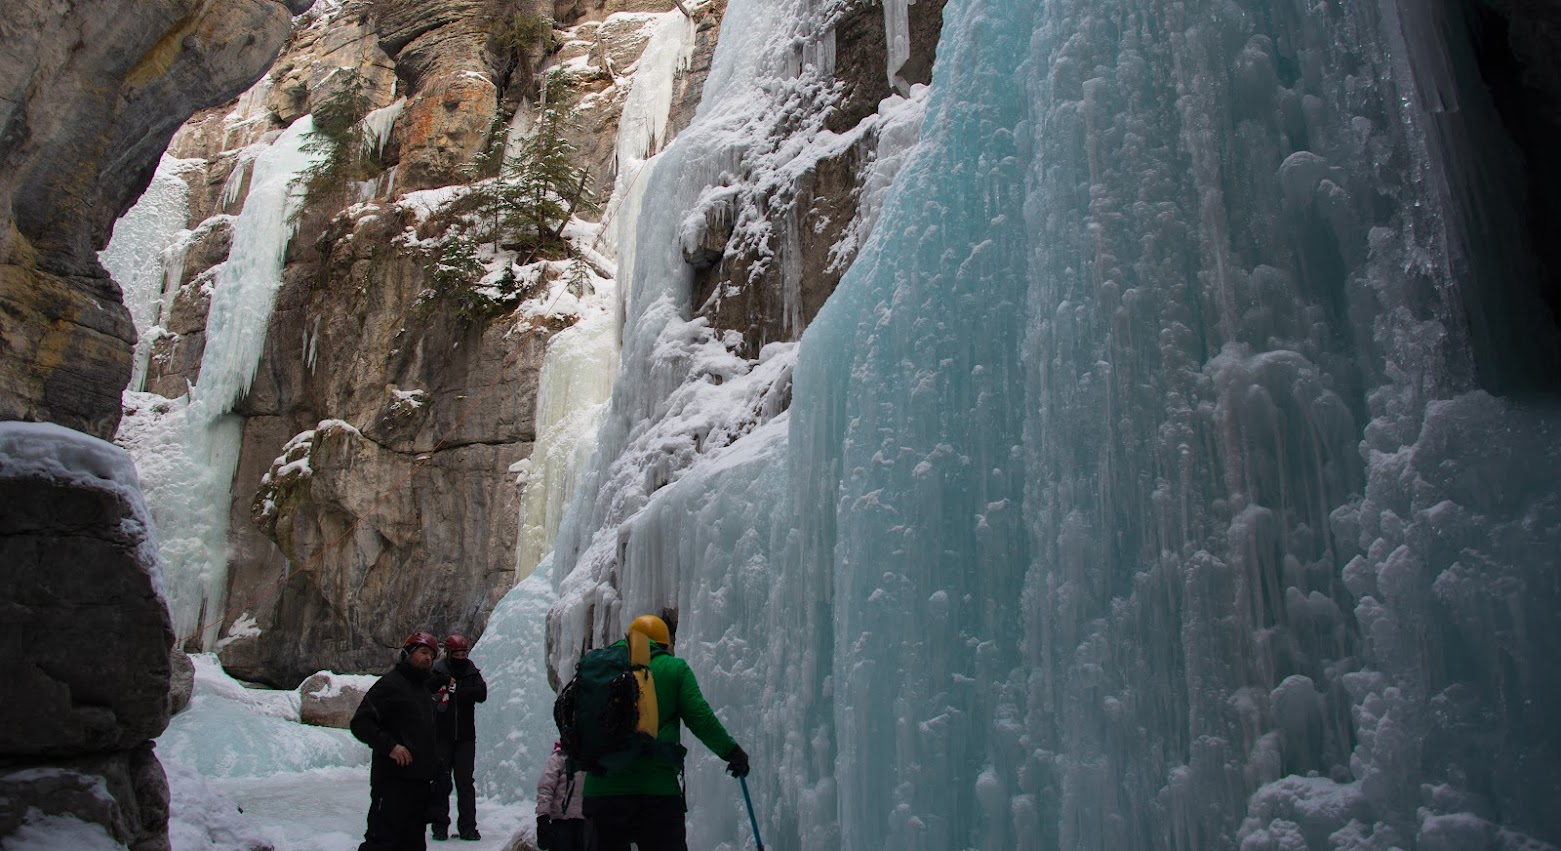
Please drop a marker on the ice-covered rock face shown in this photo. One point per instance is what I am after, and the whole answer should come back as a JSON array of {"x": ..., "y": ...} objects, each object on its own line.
[{"x": 1141, "y": 486}]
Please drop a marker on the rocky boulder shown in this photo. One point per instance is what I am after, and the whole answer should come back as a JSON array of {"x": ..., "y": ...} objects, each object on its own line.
[
  {"x": 78, "y": 564},
  {"x": 181, "y": 684},
  {"x": 329, "y": 699},
  {"x": 322, "y": 45},
  {"x": 90, "y": 98},
  {"x": 122, "y": 794}
]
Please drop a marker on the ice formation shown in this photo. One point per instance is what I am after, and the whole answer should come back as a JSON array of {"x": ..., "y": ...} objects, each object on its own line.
[
  {"x": 247, "y": 285},
  {"x": 134, "y": 253},
  {"x": 146, "y": 254},
  {"x": 576, "y": 380},
  {"x": 230, "y": 731},
  {"x": 1140, "y": 487},
  {"x": 187, "y": 447}
]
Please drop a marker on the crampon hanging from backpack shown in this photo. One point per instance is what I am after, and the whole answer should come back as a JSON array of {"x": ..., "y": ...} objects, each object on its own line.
[{"x": 607, "y": 715}]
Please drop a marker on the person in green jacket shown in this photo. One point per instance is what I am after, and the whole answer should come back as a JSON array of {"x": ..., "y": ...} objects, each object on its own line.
[{"x": 644, "y": 804}]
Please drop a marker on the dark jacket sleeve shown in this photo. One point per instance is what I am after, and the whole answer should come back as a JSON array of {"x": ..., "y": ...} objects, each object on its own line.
[
  {"x": 368, "y": 722},
  {"x": 698, "y": 715},
  {"x": 473, "y": 689}
]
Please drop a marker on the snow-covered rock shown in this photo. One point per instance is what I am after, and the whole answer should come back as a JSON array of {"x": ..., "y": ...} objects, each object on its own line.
[
  {"x": 329, "y": 699},
  {"x": 81, "y": 592}
]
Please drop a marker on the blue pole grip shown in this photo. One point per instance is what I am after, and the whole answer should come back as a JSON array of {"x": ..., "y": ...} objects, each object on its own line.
[{"x": 751, "y": 820}]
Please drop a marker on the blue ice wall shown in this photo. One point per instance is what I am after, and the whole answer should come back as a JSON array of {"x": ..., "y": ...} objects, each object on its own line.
[
  {"x": 908, "y": 430},
  {"x": 1139, "y": 488}
]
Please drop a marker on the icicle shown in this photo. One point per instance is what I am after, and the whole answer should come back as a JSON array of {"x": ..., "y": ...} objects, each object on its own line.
[
  {"x": 377, "y": 126},
  {"x": 233, "y": 187},
  {"x": 897, "y": 31},
  {"x": 311, "y": 344},
  {"x": 820, "y": 53}
]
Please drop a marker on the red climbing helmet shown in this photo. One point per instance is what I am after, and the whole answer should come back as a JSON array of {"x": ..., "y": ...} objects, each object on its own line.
[
  {"x": 420, "y": 638},
  {"x": 457, "y": 644}
]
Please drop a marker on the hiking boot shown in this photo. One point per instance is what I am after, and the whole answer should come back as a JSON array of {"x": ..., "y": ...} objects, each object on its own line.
[
  {"x": 471, "y": 835},
  {"x": 441, "y": 833}
]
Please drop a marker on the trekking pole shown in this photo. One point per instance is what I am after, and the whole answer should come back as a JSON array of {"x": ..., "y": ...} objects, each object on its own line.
[{"x": 751, "y": 820}]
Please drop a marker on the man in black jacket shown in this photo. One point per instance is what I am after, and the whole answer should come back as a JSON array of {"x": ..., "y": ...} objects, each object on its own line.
[
  {"x": 396, "y": 720},
  {"x": 459, "y": 688}
]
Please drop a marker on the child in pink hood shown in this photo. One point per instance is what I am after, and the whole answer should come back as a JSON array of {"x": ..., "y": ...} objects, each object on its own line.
[{"x": 560, "y": 824}]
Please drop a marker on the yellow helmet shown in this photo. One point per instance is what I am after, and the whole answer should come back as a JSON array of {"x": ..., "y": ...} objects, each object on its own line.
[{"x": 654, "y": 628}]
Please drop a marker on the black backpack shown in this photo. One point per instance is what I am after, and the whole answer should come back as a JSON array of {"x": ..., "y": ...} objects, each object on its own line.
[{"x": 597, "y": 714}]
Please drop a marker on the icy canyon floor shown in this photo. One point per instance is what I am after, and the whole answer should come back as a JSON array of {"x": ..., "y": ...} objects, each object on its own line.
[{"x": 242, "y": 769}]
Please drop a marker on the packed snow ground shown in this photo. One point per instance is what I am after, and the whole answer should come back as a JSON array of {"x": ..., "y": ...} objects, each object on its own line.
[{"x": 244, "y": 772}]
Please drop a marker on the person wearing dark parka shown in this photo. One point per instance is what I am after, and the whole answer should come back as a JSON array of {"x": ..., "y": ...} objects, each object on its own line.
[
  {"x": 396, "y": 720},
  {"x": 458, "y": 688}
]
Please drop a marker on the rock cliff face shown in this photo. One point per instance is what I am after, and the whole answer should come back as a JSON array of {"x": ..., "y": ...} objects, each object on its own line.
[
  {"x": 371, "y": 495},
  {"x": 89, "y": 99},
  {"x": 90, "y": 93}
]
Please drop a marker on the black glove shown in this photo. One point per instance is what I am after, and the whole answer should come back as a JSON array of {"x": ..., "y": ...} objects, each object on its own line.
[
  {"x": 544, "y": 832},
  {"x": 737, "y": 762}
]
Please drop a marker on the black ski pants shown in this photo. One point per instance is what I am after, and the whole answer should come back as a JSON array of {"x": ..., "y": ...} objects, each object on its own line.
[
  {"x": 461, "y": 761},
  {"x": 396, "y": 808},
  {"x": 651, "y": 822},
  {"x": 568, "y": 835}
]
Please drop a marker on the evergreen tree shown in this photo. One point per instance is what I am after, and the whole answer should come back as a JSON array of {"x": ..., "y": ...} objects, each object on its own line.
[
  {"x": 455, "y": 276},
  {"x": 541, "y": 186},
  {"x": 337, "y": 139},
  {"x": 579, "y": 278}
]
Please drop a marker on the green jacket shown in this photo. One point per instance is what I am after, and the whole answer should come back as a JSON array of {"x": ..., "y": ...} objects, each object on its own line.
[{"x": 677, "y": 698}]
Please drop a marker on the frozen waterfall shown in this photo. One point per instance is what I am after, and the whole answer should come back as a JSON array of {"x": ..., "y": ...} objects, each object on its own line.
[
  {"x": 186, "y": 448},
  {"x": 575, "y": 384},
  {"x": 144, "y": 255},
  {"x": 1137, "y": 490},
  {"x": 578, "y": 369}
]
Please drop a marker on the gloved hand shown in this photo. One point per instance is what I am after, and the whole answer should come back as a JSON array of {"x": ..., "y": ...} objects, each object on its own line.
[
  {"x": 544, "y": 832},
  {"x": 737, "y": 762}
]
